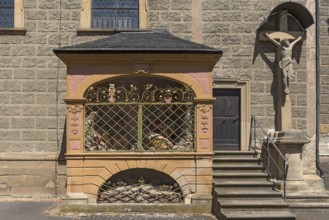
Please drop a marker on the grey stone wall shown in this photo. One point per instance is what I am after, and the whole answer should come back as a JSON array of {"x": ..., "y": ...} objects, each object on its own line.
[
  {"x": 324, "y": 62},
  {"x": 233, "y": 26},
  {"x": 324, "y": 81},
  {"x": 32, "y": 79},
  {"x": 175, "y": 16},
  {"x": 32, "y": 88}
]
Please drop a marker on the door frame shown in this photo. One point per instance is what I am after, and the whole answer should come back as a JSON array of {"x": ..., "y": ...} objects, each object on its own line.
[{"x": 244, "y": 86}]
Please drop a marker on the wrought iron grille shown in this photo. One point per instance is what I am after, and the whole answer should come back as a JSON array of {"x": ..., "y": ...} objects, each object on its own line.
[
  {"x": 7, "y": 13},
  {"x": 140, "y": 186},
  {"x": 148, "y": 116},
  {"x": 115, "y": 14}
]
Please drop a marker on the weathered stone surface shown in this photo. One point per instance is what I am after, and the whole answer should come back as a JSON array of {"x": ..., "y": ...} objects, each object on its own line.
[
  {"x": 48, "y": 4},
  {"x": 158, "y": 5},
  {"x": 18, "y": 123},
  {"x": 10, "y": 135},
  {"x": 36, "y": 14},
  {"x": 10, "y": 86},
  {"x": 34, "y": 135}
]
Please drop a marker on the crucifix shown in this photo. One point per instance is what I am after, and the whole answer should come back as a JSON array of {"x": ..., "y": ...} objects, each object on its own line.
[{"x": 284, "y": 40}]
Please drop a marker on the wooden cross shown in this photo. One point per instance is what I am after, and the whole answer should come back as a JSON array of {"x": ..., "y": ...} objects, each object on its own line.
[{"x": 283, "y": 114}]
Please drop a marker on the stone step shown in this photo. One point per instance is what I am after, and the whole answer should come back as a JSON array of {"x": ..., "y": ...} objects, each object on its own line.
[
  {"x": 309, "y": 205},
  {"x": 3, "y": 188},
  {"x": 243, "y": 190},
  {"x": 241, "y": 176},
  {"x": 236, "y": 161},
  {"x": 227, "y": 183},
  {"x": 316, "y": 196},
  {"x": 236, "y": 154},
  {"x": 239, "y": 180},
  {"x": 238, "y": 167},
  {"x": 264, "y": 215},
  {"x": 259, "y": 204},
  {"x": 248, "y": 194}
]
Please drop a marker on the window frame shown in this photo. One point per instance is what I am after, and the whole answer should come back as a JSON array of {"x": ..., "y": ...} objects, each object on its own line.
[
  {"x": 18, "y": 28},
  {"x": 85, "y": 19}
]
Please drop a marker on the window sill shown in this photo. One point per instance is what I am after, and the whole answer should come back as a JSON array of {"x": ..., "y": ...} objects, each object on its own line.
[
  {"x": 94, "y": 32},
  {"x": 13, "y": 31}
]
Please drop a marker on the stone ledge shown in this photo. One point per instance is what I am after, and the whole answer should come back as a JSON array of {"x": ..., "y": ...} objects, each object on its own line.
[
  {"x": 136, "y": 208},
  {"x": 13, "y": 31},
  {"x": 28, "y": 156},
  {"x": 140, "y": 155}
]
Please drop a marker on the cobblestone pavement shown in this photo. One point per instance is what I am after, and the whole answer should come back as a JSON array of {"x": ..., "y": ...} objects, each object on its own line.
[{"x": 47, "y": 211}]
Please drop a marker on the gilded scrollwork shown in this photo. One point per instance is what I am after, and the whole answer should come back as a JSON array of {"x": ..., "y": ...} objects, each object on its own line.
[{"x": 131, "y": 93}]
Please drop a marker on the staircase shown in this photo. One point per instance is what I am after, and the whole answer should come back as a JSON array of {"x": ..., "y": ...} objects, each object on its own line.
[
  {"x": 242, "y": 189},
  {"x": 308, "y": 200}
]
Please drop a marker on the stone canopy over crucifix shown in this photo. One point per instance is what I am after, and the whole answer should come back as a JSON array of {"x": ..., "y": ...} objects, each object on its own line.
[{"x": 284, "y": 40}]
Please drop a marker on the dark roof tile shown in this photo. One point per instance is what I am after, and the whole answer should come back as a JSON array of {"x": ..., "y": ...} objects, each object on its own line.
[{"x": 148, "y": 41}]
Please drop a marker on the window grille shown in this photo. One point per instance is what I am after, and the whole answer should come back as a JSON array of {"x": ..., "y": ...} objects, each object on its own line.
[
  {"x": 6, "y": 13},
  {"x": 139, "y": 115},
  {"x": 115, "y": 14}
]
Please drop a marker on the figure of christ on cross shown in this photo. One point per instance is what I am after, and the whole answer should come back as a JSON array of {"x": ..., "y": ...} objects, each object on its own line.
[{"x": 285, "y": 62}]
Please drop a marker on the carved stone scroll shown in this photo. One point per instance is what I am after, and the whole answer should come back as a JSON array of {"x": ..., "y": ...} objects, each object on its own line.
[{"x": 74, "y": 118}]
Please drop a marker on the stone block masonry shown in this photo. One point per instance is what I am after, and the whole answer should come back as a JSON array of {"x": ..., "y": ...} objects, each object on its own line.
[
  {"x": 324, "y": 64},
  {"x": 324, "y": 88}
]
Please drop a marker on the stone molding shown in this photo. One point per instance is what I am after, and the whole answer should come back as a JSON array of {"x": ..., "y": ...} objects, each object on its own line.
[{"x": 28, "y": 156}]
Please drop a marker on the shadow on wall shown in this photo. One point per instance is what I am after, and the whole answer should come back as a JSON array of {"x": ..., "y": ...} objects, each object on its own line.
[
  {"x": 325, "y": 167},
  {"x": 327, "y": 21},
  {"x": 62, "y": 150}
]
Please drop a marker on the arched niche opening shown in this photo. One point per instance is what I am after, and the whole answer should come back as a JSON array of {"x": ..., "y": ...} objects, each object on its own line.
[
  {"x": 140, "y": 185},
  {"x": 296, "y": 10}
]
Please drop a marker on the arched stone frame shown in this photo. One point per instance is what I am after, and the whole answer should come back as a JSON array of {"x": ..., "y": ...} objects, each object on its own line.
[
  {"x": 203, "y": 100},
  {"x": 196, "y": 86},
  {"x": 85, "y": 15},
  {"x": 244, "y": 86},
  {"x": 93, "y": 182}
]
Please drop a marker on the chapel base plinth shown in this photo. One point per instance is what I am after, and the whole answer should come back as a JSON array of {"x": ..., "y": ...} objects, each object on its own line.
[{"x": 75, "y": 199}]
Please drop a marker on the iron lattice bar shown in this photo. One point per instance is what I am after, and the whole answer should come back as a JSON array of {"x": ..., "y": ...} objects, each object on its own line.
[{"x": 126, "y": 118}]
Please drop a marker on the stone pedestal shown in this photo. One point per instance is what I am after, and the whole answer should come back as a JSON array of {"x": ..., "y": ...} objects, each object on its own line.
[{"x": 291, "y": 144}]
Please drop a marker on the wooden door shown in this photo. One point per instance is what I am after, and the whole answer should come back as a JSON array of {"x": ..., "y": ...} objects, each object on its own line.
[{"x": 226, "y": 120}]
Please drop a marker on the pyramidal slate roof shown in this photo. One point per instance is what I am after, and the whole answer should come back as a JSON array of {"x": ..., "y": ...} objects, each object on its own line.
[{"x": 148, "y": 41}]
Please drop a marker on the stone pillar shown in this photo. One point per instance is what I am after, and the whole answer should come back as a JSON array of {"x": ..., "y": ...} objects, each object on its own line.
[{"x": 291, "y": 144}]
